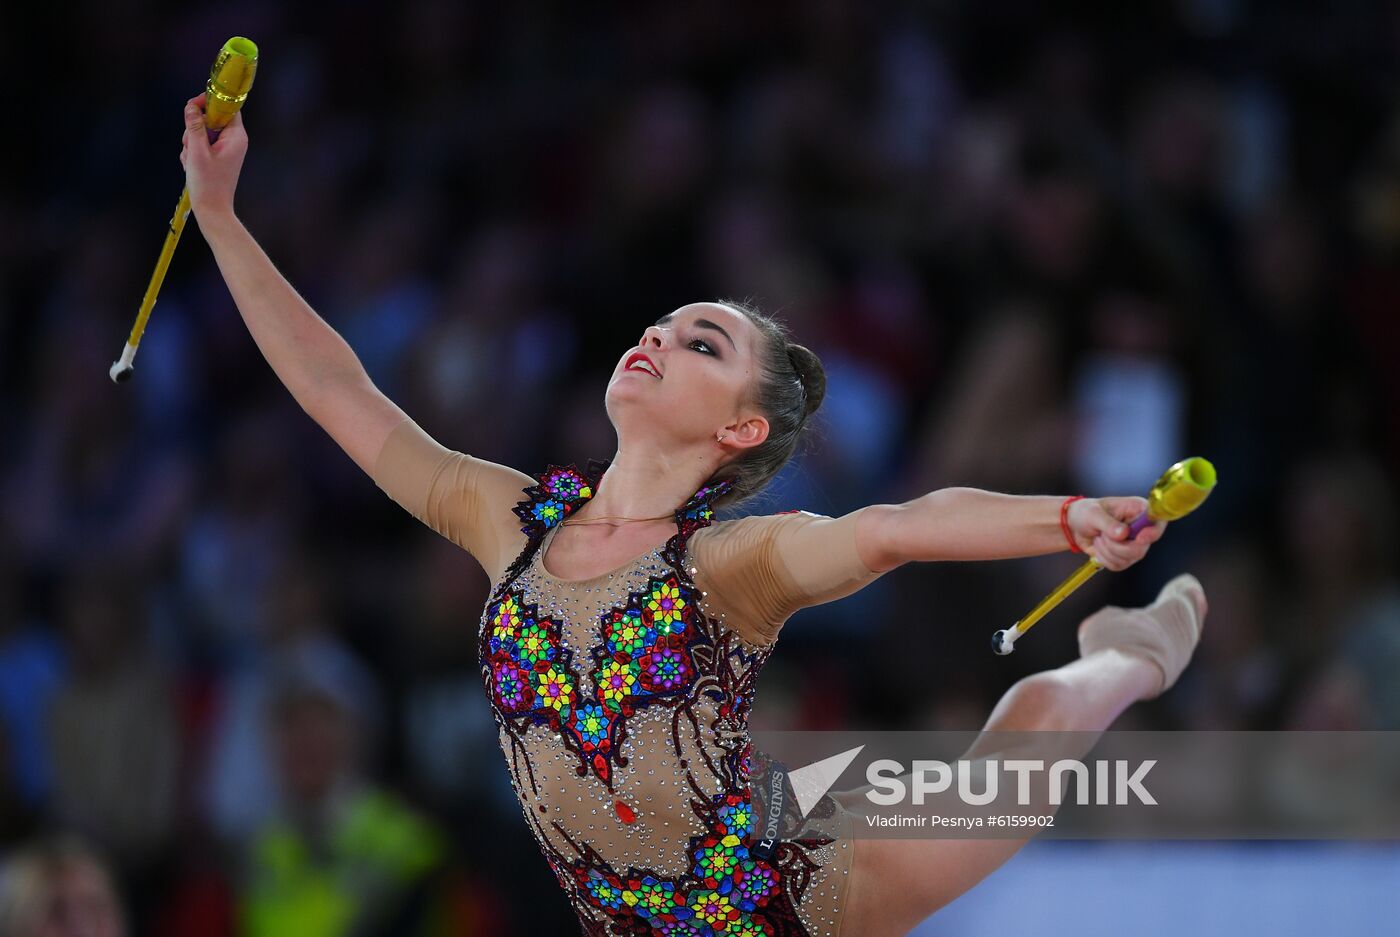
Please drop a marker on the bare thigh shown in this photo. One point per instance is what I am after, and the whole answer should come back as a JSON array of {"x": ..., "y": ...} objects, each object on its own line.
[{"x": 897, "y": 883}]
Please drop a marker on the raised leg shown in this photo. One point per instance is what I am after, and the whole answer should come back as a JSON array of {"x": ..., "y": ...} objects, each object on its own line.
[{"x": 1126, "y": 655}]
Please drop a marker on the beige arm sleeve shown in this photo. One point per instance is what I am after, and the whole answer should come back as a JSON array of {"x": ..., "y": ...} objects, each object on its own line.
[
  {"x": 758, "y": 570},
  {"x": 466, "y": 499}
]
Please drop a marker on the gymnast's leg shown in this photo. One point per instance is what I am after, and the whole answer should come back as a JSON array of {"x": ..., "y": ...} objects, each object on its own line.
[{"x": 1125, "y": 655}]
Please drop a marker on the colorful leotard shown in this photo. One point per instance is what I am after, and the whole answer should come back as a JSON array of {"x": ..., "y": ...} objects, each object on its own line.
[{"x": 622, "y": 701}]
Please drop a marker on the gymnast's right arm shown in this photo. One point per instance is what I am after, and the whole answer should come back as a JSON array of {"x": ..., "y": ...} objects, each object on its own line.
[
  {"x": 464, "y": 498},
  {"x": 318, "y": 366}
]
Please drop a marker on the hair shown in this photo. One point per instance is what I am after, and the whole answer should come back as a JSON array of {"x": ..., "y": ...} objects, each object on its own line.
[
  {"x": 787, "y": 389},
  {"x": 30, "y": 875}
]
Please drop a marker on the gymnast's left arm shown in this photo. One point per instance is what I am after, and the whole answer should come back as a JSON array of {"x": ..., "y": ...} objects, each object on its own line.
[
  {"x": 765, "y": 568},
  {"x": 971, "y": 524}
]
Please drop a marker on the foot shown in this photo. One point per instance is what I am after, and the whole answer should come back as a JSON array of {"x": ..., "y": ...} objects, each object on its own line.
[{"x": 1164, "y": 632}]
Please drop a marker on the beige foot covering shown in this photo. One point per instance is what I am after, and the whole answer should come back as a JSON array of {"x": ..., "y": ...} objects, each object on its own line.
[{"x": 1164, "y": 632}]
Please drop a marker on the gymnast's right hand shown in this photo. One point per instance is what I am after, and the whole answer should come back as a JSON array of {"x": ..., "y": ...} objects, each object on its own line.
[{"x": 211, "y": 170}]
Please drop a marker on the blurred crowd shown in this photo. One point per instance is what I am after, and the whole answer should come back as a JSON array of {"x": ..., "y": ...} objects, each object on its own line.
[{"x": 1038, "y": 253}]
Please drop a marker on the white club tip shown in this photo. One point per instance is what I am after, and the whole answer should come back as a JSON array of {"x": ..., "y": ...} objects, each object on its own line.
[
  {"x": 121, "y": 368},
  {"x": 1004, "y": 641}
]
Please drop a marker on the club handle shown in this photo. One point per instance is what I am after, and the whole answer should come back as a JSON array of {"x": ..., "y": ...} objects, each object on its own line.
[{"x": 229, "y": 82}]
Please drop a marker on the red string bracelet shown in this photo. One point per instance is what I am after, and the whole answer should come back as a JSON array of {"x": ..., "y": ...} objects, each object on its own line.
[{"x": 1064, "y": 522}]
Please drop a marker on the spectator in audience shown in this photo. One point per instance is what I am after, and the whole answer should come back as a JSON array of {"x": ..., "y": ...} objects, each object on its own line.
[
  {"x": 58, "y": 887},
  {"x": 341, "y": 856}
]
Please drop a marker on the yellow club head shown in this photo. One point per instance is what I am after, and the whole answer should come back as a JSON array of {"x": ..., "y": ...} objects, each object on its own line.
[
  {"x": 229, "y": 81},
  {"x": 1181, "y": 489}
]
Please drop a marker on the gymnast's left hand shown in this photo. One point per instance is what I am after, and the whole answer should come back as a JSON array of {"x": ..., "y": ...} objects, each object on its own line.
[{"x": 1100, "y": 528}]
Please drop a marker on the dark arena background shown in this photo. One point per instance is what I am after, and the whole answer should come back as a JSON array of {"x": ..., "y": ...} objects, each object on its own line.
[{"x": 1041, "y": 248}]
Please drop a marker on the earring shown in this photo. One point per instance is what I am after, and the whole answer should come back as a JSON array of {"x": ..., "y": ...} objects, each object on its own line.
[{"x": 719, "y": 437}]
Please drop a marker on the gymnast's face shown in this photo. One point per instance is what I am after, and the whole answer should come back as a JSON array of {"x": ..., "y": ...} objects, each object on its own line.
[{"x": 692, "y": 383}]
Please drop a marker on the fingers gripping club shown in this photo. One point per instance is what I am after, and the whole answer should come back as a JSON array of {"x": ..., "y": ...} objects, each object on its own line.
[{"x": 1179, "y": 491}]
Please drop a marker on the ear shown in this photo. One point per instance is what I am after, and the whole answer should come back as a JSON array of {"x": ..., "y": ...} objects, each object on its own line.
[{"x": 745, "y": 434}]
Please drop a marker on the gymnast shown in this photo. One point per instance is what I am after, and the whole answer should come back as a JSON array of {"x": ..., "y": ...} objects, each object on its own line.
[{"x": 626, "y": 626}]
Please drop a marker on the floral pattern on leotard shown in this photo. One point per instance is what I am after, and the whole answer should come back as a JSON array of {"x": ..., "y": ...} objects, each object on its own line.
[
  {"x": 644, "y": 654},
  {"x": 727, "y": 890},
  {"x": 656, "y": 649}
]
